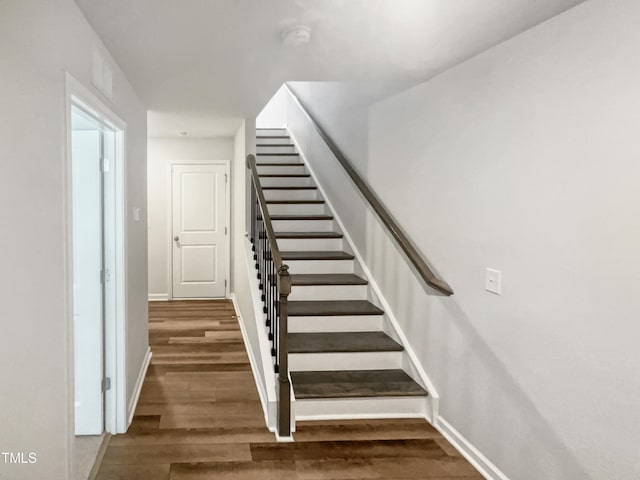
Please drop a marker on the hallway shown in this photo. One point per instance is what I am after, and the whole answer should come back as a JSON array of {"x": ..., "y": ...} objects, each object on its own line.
[{"x": 199, "y": 417}]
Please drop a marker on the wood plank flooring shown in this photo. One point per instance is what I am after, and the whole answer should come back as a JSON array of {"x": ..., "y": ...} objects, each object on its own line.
[{"x": 199, "y": 417}]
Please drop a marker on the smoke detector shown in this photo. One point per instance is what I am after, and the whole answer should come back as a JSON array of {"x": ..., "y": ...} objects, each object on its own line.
[{"x": 297, "y": 36}]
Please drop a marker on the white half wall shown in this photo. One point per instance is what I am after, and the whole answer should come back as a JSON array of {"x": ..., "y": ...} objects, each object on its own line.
[
  {"x": 162, "y": 153},
  {"x": 40, "y": 41},
  {"x": 523, "y": 159}
]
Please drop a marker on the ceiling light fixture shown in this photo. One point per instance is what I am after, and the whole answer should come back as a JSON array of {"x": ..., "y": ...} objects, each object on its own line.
[{"x": 297, "y": 36}]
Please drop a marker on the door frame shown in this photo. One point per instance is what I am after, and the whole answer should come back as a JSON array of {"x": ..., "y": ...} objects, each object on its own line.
[
  {"x": 114, "y": 234},
  {"x": 169, "y": 219}
]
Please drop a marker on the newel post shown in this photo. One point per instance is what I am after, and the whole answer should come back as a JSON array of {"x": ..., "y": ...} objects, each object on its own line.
[{"x": 284, "y": 386}]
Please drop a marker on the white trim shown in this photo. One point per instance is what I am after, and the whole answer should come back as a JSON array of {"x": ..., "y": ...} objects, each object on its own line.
[
  {"x": 433, "y": 397},
  {"x": 288, "y": 439},
  {"x": 115, "y": 337},
  {"x": 158, "y": 297},
  {"x": 486, "y": 468},
  {"x": 131, "y": 409},
  {"x": 169, "y": 218},
  {"x": 252, "y": 360}
]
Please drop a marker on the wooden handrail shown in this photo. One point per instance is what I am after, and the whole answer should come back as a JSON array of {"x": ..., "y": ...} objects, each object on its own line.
[
  {"x": 270, "y": 266},
  {"x": 271, "y": 237},
  {"x": 396, "y": 232}
]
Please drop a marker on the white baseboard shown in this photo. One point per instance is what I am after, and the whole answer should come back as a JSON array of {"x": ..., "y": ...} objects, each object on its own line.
[
  {"x": 486, "y": 468},
  {"x": 288, "y": 439},
  {"x": 138, "y": 386},
  {"x": 158, "y": 297},
  {"x": 252, "y": 360}
]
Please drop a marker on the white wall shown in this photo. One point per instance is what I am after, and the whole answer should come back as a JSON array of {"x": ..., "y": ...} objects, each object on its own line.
[
  {"x": 274, "y": 113},
  {"x": 162, "y": 153},
  {"x": 524, "y": 159},
  {"x": 39, "y": 41}
]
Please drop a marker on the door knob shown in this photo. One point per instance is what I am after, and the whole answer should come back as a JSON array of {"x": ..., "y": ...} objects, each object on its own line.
[{"x": 176, "y": 238}]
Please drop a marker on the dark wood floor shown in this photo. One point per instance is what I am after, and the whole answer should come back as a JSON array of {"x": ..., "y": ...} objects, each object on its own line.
[{"x": 199, "y": 417}]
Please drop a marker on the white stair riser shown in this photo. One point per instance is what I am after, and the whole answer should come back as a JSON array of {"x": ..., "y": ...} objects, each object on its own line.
[
  {"x": 320, "y": 266},
  {"x": 276, "y": 149},
  {"x": 328, "y": 292},
  {"x": 368, "y": 407},
  {"x": 302, "y": 225},
  {"x": 265, "y": 132},
  {"x": 278, "y": 159},
  {"x": 286, "y": 181},
  {"x": 345, "y": 361},
  {"x": 309, "y": 244},
  {"x": 291, "y": 194},
  {"x": 342, "y": 323},
  {"x": 296, "y": 208},
  {"x": 271, "y": 141},
  {"x": 281, "y": 170}
]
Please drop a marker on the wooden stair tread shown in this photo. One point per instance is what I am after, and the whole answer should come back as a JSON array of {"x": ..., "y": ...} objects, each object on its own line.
[
  {"x": 327, "y": 279},
  {"x": 279, "y": 154},
  {"x": 335, "y": 342},
  {"x": 307, "y": 235},
  {"x": 302, "y": 217},
  {"x": 316, "y": 308},
  {"x": 302, "y": 187},
  {"x": 276, "y": 164},
  {"x": 319, "y": 255},
  {"x": 285, "y": 175},
  {"x": 305, "y": 202},
  {"x": 354, "y": 384}
]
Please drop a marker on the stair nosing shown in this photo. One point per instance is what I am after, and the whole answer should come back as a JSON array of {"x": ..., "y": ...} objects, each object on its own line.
[
  {"x": 302, "y": 202},
  {"x": 367, "y": 387},
  {"x": 392, "y": 345},
  {"x": 309, "y": 235},
  {"x": 359, "y": 280},
  {"x": 293, "y": 306},
  {"x": 290, "y": 175},
  {"x": 286, "y": 255},
  {"x": 302, "y": 217},
  {"x": 300, "y": 187},
  {"x": 280, "y": 154}
]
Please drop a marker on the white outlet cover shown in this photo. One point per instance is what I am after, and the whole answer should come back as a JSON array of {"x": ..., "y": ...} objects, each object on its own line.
[{"x": 493, "y": 281}]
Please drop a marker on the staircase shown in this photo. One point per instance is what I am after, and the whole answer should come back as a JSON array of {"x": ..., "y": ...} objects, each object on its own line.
[{"x": 345, "y": 361}]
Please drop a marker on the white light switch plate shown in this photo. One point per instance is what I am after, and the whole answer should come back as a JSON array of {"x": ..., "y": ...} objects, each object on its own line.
[
  {"x": 136, "y": 214},
  {"x": 493, "y": 281}
]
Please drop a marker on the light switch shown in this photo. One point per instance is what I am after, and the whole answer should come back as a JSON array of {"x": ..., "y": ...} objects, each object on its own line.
[
  {"x": 493, "y": 281},
  {"x": 136, "y": 214}
]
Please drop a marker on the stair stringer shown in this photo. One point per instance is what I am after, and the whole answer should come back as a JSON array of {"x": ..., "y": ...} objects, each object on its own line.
[{"x": 391, "y": 326}]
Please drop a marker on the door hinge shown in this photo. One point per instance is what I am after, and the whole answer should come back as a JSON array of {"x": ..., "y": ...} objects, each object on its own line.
[
  {"x": 106, "y": 384},
  {"x": 225, "y": 230},
  {"x": 226, "y": 178},
  {"x": 105, "y": 276},
  {"x": 225, "y": 283}
]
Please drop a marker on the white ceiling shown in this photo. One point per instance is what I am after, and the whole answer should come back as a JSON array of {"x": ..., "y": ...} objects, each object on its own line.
[{"x": 202, "y": 65}]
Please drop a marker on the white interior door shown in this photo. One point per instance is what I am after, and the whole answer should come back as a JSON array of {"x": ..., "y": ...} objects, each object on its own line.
[
  {"x": 88, "y": 292},
  {"x": 199, "y": 231}
]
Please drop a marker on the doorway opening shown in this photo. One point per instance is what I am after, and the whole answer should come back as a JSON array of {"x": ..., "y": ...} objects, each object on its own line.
[{"x": 96, "y": 160}]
